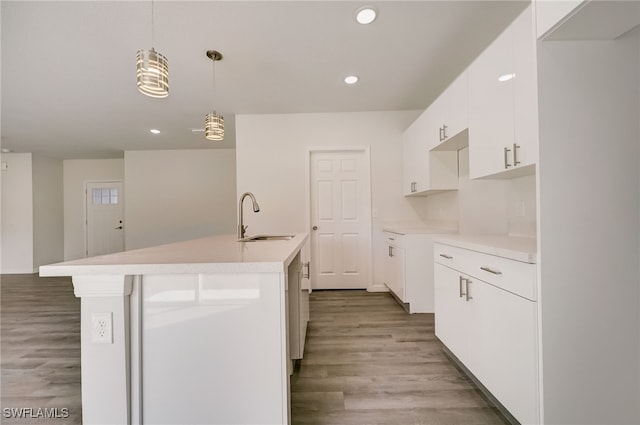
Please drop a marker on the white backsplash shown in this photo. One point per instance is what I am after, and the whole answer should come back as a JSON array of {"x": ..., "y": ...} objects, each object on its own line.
[{"x": 492, "y": 206}]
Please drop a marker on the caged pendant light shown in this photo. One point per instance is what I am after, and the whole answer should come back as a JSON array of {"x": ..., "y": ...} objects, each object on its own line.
[
  {"x": 152, "y": 70},
  {"x": 214, "y": 123}
]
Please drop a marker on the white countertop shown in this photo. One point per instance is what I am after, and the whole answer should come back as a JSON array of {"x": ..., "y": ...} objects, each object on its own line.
[
  {"x": 417, "y": 230},
  {"x": 512, "y": 247},
  {"x": 213, "y": 254}
]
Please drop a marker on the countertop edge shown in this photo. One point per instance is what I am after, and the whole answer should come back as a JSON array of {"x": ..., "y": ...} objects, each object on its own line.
[
  {"x": 83, "y": 267},
  {"x": 419, "y": 230}
]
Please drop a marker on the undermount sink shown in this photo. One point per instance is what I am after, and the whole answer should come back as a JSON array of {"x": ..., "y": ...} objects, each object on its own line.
[{"x": 266, "y": 238}]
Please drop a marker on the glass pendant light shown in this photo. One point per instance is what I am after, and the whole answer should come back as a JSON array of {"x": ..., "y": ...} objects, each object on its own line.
[
  {"x": 152, "y": 70},
  {"x": 214, "y": 123}
]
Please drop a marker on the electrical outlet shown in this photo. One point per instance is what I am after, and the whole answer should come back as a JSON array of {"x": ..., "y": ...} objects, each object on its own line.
[{"x": 102, "y": 328}]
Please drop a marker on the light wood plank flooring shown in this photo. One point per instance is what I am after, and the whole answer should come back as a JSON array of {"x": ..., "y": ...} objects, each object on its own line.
[
  {"x": 366, "y": 362},
  {"x": 40, "y": 348},
  {"x": 369, "y": 362}
]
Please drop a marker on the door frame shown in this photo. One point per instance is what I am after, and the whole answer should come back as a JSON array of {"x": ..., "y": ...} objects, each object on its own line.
[
  {"x": 86, "y": 210},
  {"x": 367, "y": 213}
]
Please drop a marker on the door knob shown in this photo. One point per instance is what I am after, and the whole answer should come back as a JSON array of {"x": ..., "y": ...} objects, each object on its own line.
[{"x": 315, "y": 227}]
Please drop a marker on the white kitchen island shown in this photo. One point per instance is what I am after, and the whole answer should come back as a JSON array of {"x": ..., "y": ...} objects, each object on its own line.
[{"x": 192, "y": 332}]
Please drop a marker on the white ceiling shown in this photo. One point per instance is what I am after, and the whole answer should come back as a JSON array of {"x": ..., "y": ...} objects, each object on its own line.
[{"x": 68, "y": 68}]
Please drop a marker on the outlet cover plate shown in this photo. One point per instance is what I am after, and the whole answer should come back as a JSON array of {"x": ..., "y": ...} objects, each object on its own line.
[{"x": 102, "y": 328}]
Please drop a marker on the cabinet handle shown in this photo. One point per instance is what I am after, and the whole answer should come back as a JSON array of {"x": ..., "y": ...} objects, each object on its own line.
[
  {"x": 448, "y": 257},
  {"x": 490, "y": 270},
  {"x": 390, "y": 251},
  {"x": 444, "y": 132},
  {"x": 506, "y": 157},
  {"x": 467, "y": 294},
  {"x": 515, "y": 154},
  {"x": 462, "y": 294},
  {"x": 440, "y": 134},
  {"x": 306, "y": 267},
  {"x": 413, "y": 187}
]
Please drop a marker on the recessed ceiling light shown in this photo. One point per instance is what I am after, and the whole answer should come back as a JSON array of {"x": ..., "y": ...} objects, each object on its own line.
[
  {"x": 155, "y": 131},
  {"x": 351, "y": 79},
  {"x": 506, "y": 77},
  {"x": 365, "y": 15}
]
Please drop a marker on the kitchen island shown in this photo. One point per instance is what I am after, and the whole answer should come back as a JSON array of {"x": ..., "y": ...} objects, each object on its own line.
[{"x": 191, "y": 332}]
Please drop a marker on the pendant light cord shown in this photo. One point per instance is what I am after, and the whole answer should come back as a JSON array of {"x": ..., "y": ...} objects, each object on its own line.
[
  {"x": 152, "y": 26},
  {"x": 214, "y": 84}
]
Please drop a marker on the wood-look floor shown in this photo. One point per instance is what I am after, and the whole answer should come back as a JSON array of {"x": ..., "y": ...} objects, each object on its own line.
[
  {"x": 40, "y": 349},
  {"x": 367, "y": 361}
]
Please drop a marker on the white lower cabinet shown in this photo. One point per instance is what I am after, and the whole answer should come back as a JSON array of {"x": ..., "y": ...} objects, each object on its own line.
[
  {"x": 394, "y": 266},
  {"x": 407, "y": 273},
  {"x": 298, "y": 309},
  {"x": 491, "y": 330}
]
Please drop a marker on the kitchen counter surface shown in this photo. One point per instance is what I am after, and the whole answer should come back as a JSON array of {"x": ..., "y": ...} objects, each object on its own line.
[
  {"x": 214, "y": 254},
  {"x": 417, "y": 230},
  {"x": 512, "y": 247}
]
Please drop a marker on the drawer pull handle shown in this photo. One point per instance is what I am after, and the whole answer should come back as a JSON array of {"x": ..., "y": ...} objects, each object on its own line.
[
  {"x": 468, "y": 294},
  {"x": 462, "y": 294},
  {"x": 448, "y": 257},
  {"x": 490, "y": 270},
  {"x": 506, "y": 158}
]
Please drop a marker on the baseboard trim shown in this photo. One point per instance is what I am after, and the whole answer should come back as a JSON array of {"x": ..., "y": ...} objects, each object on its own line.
[{"x": 404, "y": 305}]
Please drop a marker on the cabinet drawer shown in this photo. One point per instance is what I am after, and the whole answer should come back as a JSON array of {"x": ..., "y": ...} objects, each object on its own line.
[
  {"x": 513, "y": 276},
  {"x": 449, "y": 256},
  {"x": 394, "y": 239}
]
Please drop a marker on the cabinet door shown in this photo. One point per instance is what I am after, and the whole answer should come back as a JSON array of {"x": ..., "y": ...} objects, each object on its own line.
[
  {"x": 491, "y": 115},
  {"x": 395, "y": 271},
  {"x": 451, "y": 111},
  {"x": 414, "y": 157},
  {"x": 503, "y": 334},
  {"x": 451, "y": 325},
  {"x": 503, "y": 116},
  {"x": 525, "y": 87}
]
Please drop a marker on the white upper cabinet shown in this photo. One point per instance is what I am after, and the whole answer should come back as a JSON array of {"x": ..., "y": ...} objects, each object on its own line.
[
  {"x": 414, "y": 156},
  {"x": 426, "y": 172},
  {"x": 503, "y": 117},
  {"x": 449, "y": 115}
]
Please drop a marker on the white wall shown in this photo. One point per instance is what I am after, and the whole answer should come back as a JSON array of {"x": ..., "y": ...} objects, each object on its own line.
[
  {"x": 271, "y": 152},
  {"x": 77, "y": 172},
  {"x": 173, "y": 195},
  {"x": 17, "y": 214},
  {"x": 589, "y": 233},
  {"x": 48, "y": 210}
]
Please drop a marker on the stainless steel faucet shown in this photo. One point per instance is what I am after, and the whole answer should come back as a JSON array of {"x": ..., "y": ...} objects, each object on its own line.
[{"x": 241, "y": 227}]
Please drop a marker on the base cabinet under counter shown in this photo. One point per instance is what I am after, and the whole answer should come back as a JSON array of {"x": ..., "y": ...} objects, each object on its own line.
[
  {"x": 491, "y": 331},
  {"x": 408, "y": 269}
]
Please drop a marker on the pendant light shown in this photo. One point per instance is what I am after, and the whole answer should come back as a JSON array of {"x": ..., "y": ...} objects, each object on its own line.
[
  {"x": 214, "y": 123},
  {"x": 152, "y": 70}
]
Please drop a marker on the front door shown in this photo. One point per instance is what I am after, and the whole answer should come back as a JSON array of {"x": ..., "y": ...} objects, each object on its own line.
[
  {"x": 105, "y": 227},
  {"x": 340, "y": 219}
]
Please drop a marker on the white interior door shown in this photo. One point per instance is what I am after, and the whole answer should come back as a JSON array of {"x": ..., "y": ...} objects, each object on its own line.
[
  {"x": 340, "y": 219},
  {"x": 105, "y": 215}
]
